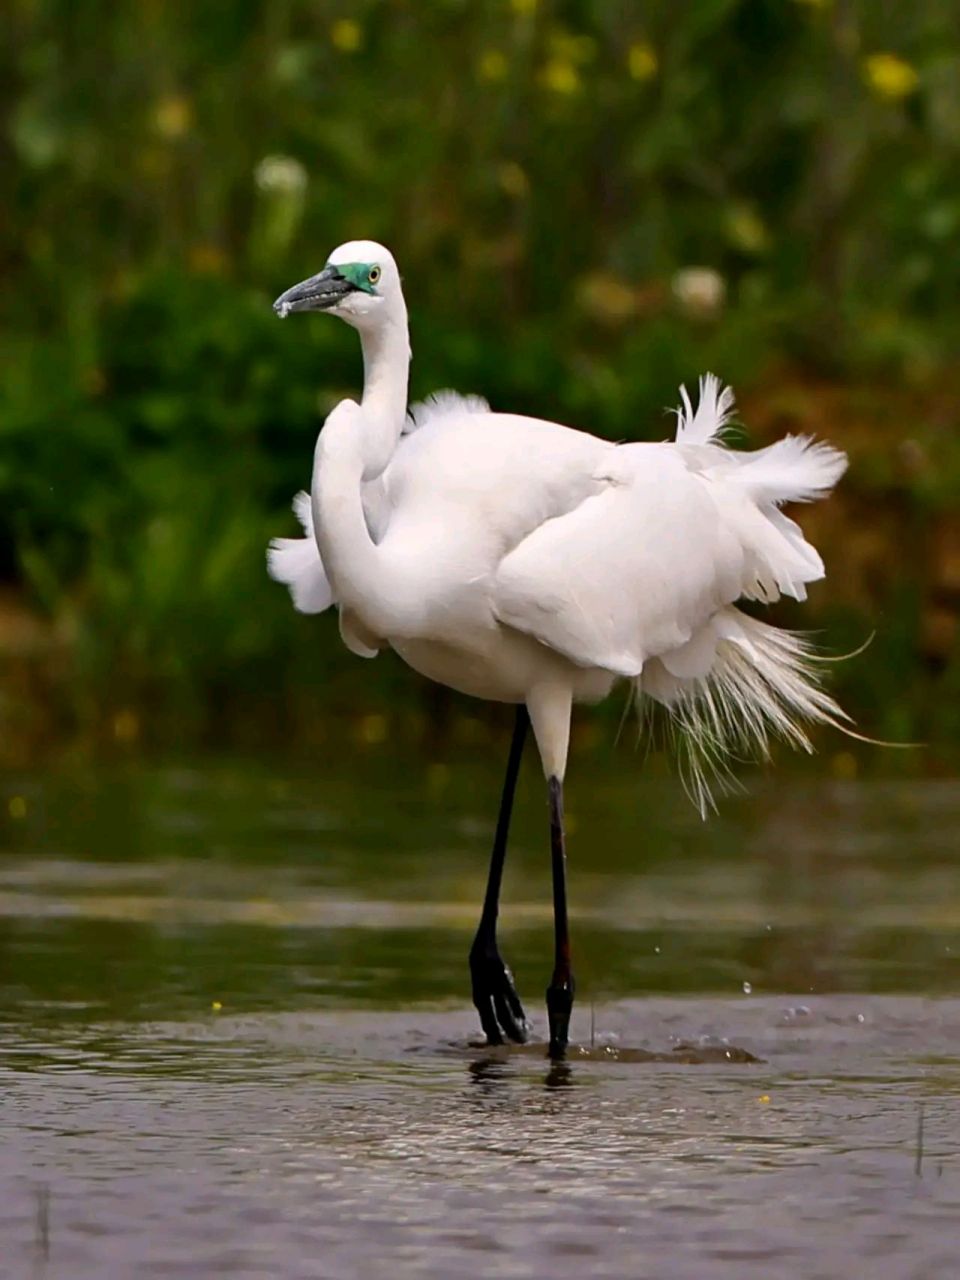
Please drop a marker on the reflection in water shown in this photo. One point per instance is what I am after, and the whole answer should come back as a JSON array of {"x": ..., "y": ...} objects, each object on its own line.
[
  {"x": 492, "y": 1076},
  {"x": 489, "y": 1074},
  {"x": 218, "y": 1054},
  {"x": 559, "y": 1076}
]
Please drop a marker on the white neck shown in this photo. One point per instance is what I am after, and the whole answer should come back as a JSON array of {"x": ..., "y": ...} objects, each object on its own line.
[
  {"x": 386, "y": 368},
  {"x": 354, "y": 564},
  {"x": 343, "y": 539}
]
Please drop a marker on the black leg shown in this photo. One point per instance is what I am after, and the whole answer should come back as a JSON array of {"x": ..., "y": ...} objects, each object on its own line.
[
  {"x": 501, "y": 1013},
  {"x": 560, "y": 990}
]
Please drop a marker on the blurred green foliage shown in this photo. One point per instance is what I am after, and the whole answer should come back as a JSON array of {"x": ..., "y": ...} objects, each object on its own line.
[{"x": 591, "y": 202}]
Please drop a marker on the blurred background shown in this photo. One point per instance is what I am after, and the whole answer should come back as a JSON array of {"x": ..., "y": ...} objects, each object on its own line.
[
  {"x": 591, "y": 203},
  {"x": 236, "y": 863}
]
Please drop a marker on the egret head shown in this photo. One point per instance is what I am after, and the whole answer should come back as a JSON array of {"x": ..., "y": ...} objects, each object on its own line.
[{"x": 360, "y": 284}]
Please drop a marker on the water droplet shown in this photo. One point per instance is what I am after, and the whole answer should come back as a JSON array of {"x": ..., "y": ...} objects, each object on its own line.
[
  {"x": 861, "y": 1017},
  {"x": 747, "y": 989},
  {"x": 657, "y": 950}
]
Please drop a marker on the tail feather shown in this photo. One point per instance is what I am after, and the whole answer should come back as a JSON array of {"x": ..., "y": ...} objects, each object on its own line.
[
  {"x": 296, "y": 563},
  {"x": 762, "y": 683},
  {"x": 795, "y": 469},
  {"x": 753, "y": 486},
  {"x": 778, "y": 560},
  {"x": 739, "y": 683}
]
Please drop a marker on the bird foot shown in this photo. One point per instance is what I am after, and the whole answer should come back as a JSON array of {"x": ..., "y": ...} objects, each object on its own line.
[
  {"x": 495, "y": 996},
  {"x": 559, "y": 1008}
]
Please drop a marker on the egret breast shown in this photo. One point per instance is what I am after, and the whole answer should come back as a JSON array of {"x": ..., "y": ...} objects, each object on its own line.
[{"x": 500, "y": 665}]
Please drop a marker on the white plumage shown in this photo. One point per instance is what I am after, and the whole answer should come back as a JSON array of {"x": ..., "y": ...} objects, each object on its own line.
[
  {"x": 519, "y": 560},
  {"x": 296, "y": 563},
  {"x": 619, "y": 560}
]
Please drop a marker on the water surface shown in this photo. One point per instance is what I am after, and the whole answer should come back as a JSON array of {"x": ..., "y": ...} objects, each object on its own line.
[{"x": 235, "y": 1038}]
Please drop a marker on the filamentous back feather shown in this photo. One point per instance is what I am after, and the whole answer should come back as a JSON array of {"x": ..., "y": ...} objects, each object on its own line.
[
  {"x": 763, "y": 683},
  {"x": 442, "y": 404}
]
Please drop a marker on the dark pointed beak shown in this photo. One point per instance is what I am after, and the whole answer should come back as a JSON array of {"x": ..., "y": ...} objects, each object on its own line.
[{"x": 319, "y": 293}]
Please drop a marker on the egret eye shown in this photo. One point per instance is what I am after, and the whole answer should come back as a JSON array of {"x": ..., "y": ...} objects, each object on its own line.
[{"x": 374, "y": 275}]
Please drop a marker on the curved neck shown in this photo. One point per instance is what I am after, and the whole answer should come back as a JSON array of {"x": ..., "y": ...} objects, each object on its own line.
[
  {"x": 386, "y": 369},
  {"x": 360, "y": 577},
  {"x": 343, "y": 539}
]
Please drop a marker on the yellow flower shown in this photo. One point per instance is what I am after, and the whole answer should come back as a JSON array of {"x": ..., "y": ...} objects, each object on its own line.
[
  {"x": 492, "y": 65},
  {"x": 346, "y": 35},
  {"x": 606, "y": 297},
  {"x": 513, "y": 181},
  {"x": 747, "y": 230},
  {"x": 844, "y": 766},
  {"x": 17, "y": 807},
  {"x": 641, "y": 61},
  {"x": 372, "y": 729},
  {"x": 126, "y": 726},
  {"x": 524, "y": 7},
  {"x": 172, "y": 116},
  {"x": 889, "y": 77},
  {"x": 207, "y": 260},
  {"x": 560, "y": 77}
]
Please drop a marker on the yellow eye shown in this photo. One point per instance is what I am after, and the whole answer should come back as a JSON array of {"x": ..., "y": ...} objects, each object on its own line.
[{"x": 374, "y": 275}]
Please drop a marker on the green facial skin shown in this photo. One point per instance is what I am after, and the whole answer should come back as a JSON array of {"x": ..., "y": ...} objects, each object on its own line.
[{"x": 358, "y": 273}]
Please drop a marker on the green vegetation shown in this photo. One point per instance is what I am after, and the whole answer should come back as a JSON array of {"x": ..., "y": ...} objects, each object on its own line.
[{"x": 551, "y": 176}]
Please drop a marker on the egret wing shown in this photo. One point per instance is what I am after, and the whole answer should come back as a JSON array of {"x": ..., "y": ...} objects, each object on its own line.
[
  {"x": 633, "y": 571},
  {"x": 296, "y": 563}
]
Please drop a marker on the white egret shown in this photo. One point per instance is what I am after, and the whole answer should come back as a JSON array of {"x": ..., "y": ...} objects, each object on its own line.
[{"x": 525, "y": 562}]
